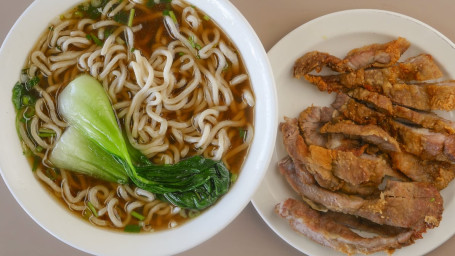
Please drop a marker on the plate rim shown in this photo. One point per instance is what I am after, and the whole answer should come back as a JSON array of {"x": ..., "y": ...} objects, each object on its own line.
[{"x": 271, "y": 54}]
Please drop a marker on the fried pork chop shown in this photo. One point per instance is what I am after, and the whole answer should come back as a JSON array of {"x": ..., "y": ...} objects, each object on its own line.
[
  {"x": 374, "y": 55},
  {"x": 413, "y": 205},
  {"x": 326, "y": 229},
  {"x": 374, "y": 160},
  {"x": 418, "y": 68}
]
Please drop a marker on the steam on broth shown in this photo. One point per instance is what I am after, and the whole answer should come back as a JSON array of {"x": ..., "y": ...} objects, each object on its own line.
[{"x": 178, "y": 88}]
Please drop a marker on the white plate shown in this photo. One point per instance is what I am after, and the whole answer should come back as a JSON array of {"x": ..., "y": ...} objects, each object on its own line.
[{"x": 337, "y": 33}]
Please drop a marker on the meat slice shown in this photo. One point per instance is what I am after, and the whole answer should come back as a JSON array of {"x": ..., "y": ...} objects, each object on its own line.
[
  {"x": 415, "y": 205},
  {"x": 419, "y": 68},
  {"x": 300, "y": 153},
  {"x": 424, "y": 119},
  {"x": 362, "y": 114},
  {"x": 335, "y": 169},
  {"x": 358, "y": 112},
  {"x": 437, "y": 173},
  {"x": 296, "y": 148},
  {"x": 428, "y": 96},
  {"x": 311, "y": 120},
  {"x": 345, "y": 165},
  {"x": 374, "y": 55},
  {"x": 370, "y": 133},
  {"x": 380, "y": 102},
  {"x": 325, "y": 230},
  {"x": 423, "y": 142}
]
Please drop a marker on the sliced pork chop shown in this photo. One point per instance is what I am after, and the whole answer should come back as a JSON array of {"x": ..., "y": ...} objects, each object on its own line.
[
  {"x": 374, "y": 55},
  {"x": 324, "y": 229},
  {"x": 382, "y": 103},
  {"x": 419, "y": 68},
  {"x": 437, "y": 173},
  {"x": 362, "y": 114},
  {"x": 424, "y": 119},
  {"x": 335, "y": 169},
  {"x": 423, "y": 142},
  {"x": 413, "y": 205},
  {"x": 311, "y": 120},
  {"x": 369, "y": 133}
]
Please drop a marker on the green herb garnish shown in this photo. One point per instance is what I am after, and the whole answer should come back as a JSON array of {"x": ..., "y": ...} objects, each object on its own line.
[
  {"x": 131, "y": 17},
  {"x": 242, "y": 133},
  {"x": 92, "y": 208},
  {"x": 45, "y": 133},
  {"x": 132, "y": 229},
  {"x": 193, "y": 43},
  {"x": 95, "y": 39},
  {"x": 137, "y": 215},
  {"x": 36, "y": 161},
  {"x": 170, "y": 14}
]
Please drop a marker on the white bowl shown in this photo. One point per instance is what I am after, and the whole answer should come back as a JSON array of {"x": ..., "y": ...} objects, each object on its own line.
[{"x": 52, "y": 216}]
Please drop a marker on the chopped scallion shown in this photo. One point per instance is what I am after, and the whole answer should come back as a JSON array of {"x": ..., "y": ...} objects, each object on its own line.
[
  {"x": 95, "y": 39},
  {"x": 36, "y": 161},
  {"x": 137, "y": 215},
  {"x": 130, "y": 19},
  {"x": 132, "y": 228},
  {"x": 45, "y": 133},
  {"x": 172, "y": 15},
  {"x": 207, "y": 18},
  {"x": 242, "y": 133},
  {"x": 92, "y": 208},
  {"x": 193, "y": 43}
]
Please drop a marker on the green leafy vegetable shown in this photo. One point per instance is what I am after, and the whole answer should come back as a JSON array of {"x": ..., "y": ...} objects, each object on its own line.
[
  {"x": 122, "y": 17},
  {"x": 95, "y": 145},
  {"x": 24, "y": 94},
  {"x": 77, "y": 153}
]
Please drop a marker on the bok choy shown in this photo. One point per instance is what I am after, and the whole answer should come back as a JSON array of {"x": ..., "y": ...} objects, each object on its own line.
[{"x": 95, "y": 145}]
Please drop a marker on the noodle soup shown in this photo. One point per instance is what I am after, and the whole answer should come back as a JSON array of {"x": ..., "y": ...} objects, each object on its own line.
[{"x": 176, "y": 84}]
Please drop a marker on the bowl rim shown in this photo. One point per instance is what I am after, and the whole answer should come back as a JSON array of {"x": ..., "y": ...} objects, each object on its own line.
[{"x": 85, "y": 237}]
